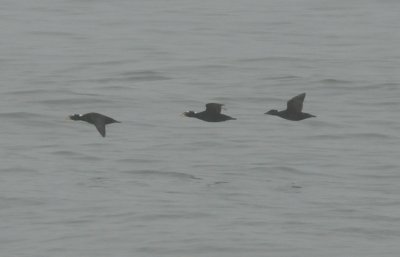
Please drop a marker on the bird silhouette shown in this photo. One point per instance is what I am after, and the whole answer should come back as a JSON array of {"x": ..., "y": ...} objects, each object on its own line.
[
  {"x": 293, "y": 110},
  {"x": 98, "y": 120},
  {"x": 212, "y": 113}
]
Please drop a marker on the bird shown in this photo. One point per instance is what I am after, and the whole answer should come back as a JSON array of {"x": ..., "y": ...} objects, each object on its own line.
[
  {"x": 293, "y": 110},
  {"x": 211, "y": 114},
  {"x": 98, "y": 120}
]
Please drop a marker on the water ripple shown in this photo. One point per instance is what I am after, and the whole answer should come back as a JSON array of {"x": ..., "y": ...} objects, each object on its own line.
[{"x": 169, "y": 174}]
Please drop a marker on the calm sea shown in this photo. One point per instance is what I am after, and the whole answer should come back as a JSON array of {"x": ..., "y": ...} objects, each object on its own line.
[{"x": 161, "y": 184}]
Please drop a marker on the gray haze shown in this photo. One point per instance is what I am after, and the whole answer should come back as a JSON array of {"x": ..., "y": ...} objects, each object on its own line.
[{"x": 161, "y": 184}]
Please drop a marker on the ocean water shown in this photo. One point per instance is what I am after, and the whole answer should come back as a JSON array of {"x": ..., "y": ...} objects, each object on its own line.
[{"x": 161, "y": 184}]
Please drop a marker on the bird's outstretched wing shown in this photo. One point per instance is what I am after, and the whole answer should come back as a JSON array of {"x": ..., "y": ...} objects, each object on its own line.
[
  {"x": 101, "y": 126},
  {"x": 214, "y": 108},
  {"x": 295, "y": 104}
]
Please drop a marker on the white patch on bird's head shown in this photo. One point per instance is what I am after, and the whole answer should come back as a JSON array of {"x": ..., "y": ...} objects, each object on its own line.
[{"x": 75, "y": 117}]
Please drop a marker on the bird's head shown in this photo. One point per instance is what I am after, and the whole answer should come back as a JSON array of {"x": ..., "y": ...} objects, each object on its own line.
[
  {"x": 75, "y": 117},
  {"x": 189, "y": 114}
]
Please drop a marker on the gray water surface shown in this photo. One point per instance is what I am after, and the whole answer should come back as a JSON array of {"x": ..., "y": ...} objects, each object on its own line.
[{"x": 161, "y": 184}]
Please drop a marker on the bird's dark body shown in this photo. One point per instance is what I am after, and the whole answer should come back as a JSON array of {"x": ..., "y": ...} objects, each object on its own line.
[
  {"x": 211, "y": 117},
  {"x": 211, "y": 114},
  {"x": 290, "y": 116},
  {"x": 99, "y": 120}
]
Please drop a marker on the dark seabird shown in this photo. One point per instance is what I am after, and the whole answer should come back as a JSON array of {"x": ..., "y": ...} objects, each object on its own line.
[
  {"x": 211, "y": 114},
  {"x": 293, "y": 110},
  {"x": 97, "y": 119}
]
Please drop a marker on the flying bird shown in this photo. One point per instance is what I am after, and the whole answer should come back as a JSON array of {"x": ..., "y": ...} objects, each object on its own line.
[
  {"x": 211, "y": 114},
  {"x": 293, "y": 110},
  {"x": 98, "y": 120}
]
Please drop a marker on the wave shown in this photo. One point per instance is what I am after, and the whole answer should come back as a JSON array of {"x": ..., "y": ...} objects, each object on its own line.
[
  {"x": 74, "y": 101},
  {"x": 334, "y": 81},
  {"x": 36, "y": 92},
  {"x": 283, "y": 77},
  {"x": 21, "y": 115},
  {"x": 274, "y": 58},
  {"x": 169, "y": 174},
  {"x": 76, "y": 155},
  {"x": 369, "y": 135},
  {"x": 17, "y": 169}
]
